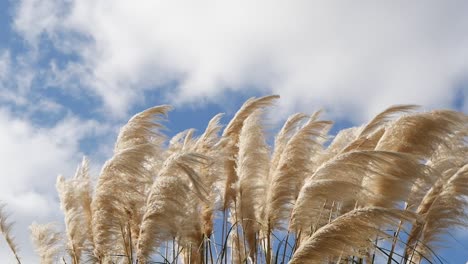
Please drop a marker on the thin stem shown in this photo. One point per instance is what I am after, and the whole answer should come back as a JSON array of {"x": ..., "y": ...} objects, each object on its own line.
[
  {"x": 173, "y": 249},
  {"x": 211, "y": 252},
  {"x": 225, "y": 243},
  {"x": 166, "y": 250},
  {"x": 205, "y": 246},
  {"x": 130, "y": 243},
  {"x": 394, "y": 242},
  {"x": 268, "y": 246},
  {"x": 222, "y": 233},
  {"x": 296, "y": 243},
  {"x": 277, "y": 251},
  {"x": 285, "y": 247},
  {"x": 373, "y": 254},
  {"x": 237, "y": 230}
]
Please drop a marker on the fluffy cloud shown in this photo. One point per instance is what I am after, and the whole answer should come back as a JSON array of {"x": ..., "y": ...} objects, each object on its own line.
[
  {"x": 32, "y": 157},
  {"x": 352, "y": 58}
]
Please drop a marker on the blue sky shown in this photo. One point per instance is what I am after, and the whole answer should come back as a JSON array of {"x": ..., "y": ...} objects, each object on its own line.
[{"x": 72, "y": 72}]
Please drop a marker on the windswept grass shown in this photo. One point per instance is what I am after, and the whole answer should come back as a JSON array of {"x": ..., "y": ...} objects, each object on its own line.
[{"x": 382, "y": 192}]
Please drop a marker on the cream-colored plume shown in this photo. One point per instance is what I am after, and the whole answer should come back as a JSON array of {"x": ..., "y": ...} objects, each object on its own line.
[
  {"x": 47, "y": 242},
  {"x": 230, "y": 139},
  {"x": 422, "y": 133},
  {"x": 75, "y": 201},
  {"x": 167, "y": 205},
  {"x": 5, "y": 231},
  {"x": 347, "y": 235},
  {"x": 252, "y": 167},
  {"x": 443, "y": 207},
  {"x": 293, "y": 168}
]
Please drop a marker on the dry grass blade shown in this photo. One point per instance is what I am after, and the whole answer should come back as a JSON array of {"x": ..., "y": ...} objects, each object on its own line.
[
  {"x": 5, "y": 230},
  {"x": 47, "y": 242},
  {"x": 347, "y": 234}
]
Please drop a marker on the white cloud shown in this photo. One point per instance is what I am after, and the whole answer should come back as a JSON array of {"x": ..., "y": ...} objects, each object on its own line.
[
  {"x": 353, "y": 58},
  {"x": 32, "y": 158}
]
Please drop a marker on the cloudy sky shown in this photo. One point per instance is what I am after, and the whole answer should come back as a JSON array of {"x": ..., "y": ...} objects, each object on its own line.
[{"x": 72, "y": 72}]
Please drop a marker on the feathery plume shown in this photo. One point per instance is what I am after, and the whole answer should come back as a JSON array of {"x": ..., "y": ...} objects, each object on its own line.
[
  {"x": 285, "y": 182},
  {"x": 384, "y": 117},
  {"x": 210, "y": 137},
  {"x": 443, "y": 207},
  {"x": 142, "y": 128},
  {"x": 230, "y": 139},
  {"x": 5, "y": 230},
  {"x": 363, "y": 176},
  {"x": 47, "y": 242},
  {"x": 421, "y": 134},
  {"x": 124, "y": 179},
  {"x": 75, "y": 202},
  {"x": 290, "y": 127},
  {"x": 310, "y": 208},
  {"x": 368, "y": 142},
  {"x": 374, "y": 130},
  {"x": 347, "y": 234},
  {"x": 293, "y": 168},
  {"x": 238, "y": 255},
  {"x": 119, "y": 196},
  {"x": 252, "y": 167},
  {"x": 176, "y": 185},
  {"x": 207, "y": 144}
]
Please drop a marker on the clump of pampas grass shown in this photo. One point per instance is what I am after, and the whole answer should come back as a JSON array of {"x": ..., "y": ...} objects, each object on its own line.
[{"x": 384, "y": 191}]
